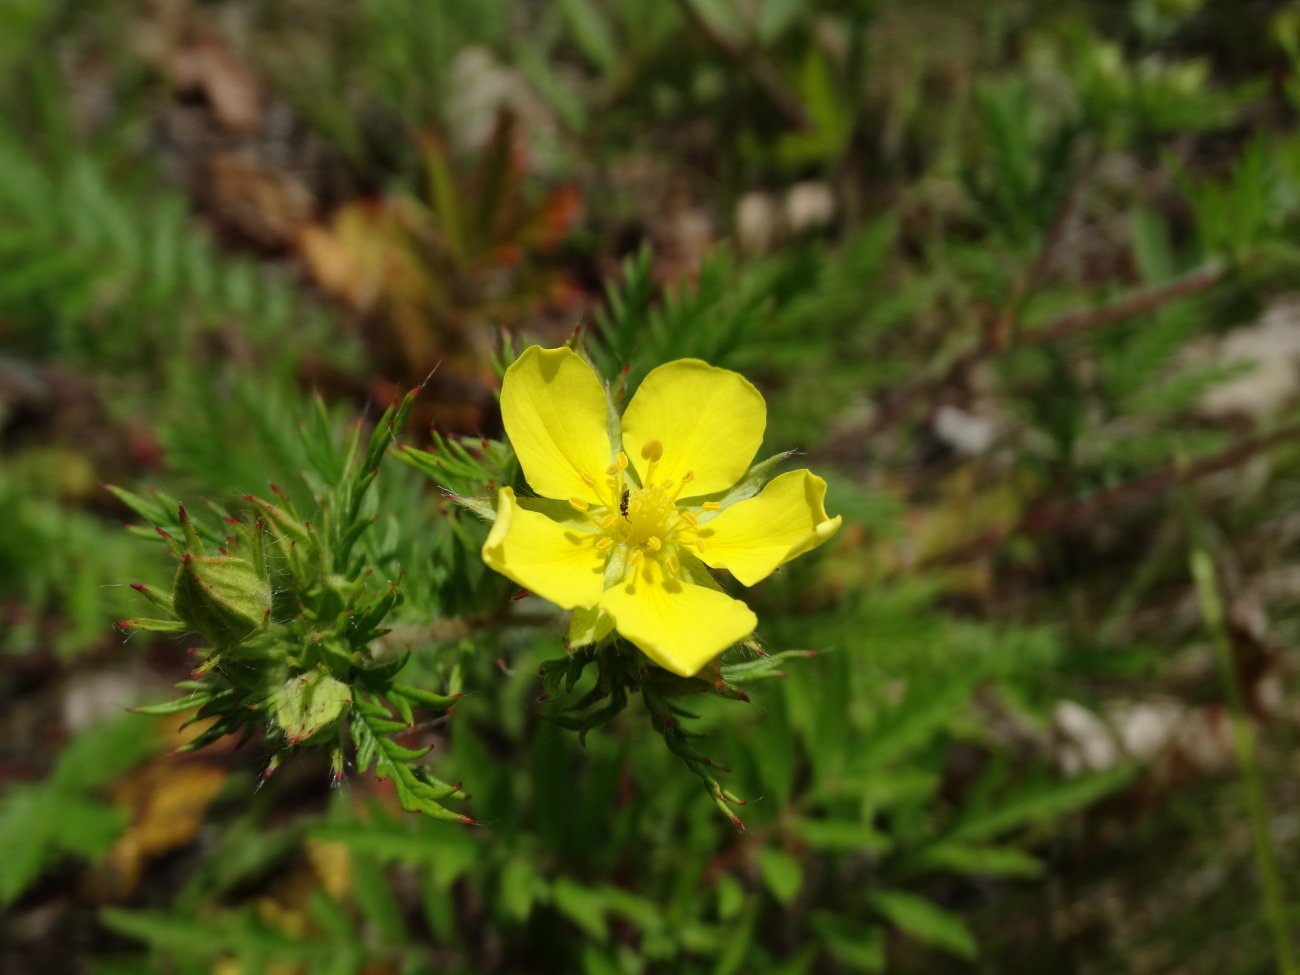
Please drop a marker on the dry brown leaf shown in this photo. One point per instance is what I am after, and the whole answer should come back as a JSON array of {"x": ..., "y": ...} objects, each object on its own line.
[
  {"x": 332, "y": 867},
  {"x": 168, "y": 799},
  {"x": 206, "y": 64},
  {"x": 267, "y": 205}
]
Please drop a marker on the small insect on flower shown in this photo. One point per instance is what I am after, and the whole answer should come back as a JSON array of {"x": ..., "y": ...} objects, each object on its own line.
[{"x": 686, "y": 439}]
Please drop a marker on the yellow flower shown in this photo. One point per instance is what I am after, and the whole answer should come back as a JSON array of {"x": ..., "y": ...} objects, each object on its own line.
[{"x": 630, "y": 514}]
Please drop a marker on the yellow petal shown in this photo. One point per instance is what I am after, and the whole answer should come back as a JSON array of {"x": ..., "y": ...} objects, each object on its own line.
[
  {"x": 556, "y": 560},
  {"x": 787, "y": 518},
  {"x": 708, "y": 420},
  {"x": 678, "y": 625},
  {"x": 554, "y": 410}
]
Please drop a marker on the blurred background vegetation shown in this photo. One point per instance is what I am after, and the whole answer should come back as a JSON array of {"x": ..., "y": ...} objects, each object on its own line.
[{"x": 1019, "y": 278}]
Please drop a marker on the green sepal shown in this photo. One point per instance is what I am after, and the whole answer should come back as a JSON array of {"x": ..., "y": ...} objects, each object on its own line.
[
  {"x": 277, "y": 516},
  {"x": 747, "y": 486},
  {"x": 310, "y": 703},
  {"x": 153, "y": 625}
]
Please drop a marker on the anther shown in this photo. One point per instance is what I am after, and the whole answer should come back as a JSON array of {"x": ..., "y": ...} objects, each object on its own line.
[
  {"x": 690, "y": 519},
  {"x": 622, "y": 461},
  {"x": 604, "y": 543},
  {"x": 609, "y": 521},
  {"x": 674, "y": 564},
  {"x": 578, "y": 504},
  {"x": 652, "y": 450},
  {"x": 636, "y": 558},
  {"x": 654, "y": 543},
  {"x": 612, "y": 469},
  {"x": 711, "y": 506},
  {"x": 589, "y": 480}
]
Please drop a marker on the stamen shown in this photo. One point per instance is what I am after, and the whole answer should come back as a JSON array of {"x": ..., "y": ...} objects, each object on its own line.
[
  {"x": 637, "y": 558},
  {"x": 604, "y": 543},
  {"x": 612, "y": 470},
  {"x": 674, "y": 564},
  {"x": 652, "y": 450},
  {"x": 589, "y": 480},
  {"x": 690, "y": 519},
  {"x": 711, "y": 506},
  {"x": 609, "y": 521},
  {"x": 654, "y": 543},
  {"x": 622, "y": 461},
  {"x": 578, "y": 504}
]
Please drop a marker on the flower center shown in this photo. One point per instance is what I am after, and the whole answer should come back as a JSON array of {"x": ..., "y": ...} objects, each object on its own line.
[
  {"x": 645, "y": 520},
  {"x": 648, "y": 513}
]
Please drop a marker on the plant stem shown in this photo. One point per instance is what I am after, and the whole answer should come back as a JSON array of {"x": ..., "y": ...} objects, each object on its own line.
[{"x": 1207, "y": 592}]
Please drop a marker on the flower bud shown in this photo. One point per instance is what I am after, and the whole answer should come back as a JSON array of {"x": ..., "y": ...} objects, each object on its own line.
[
  {"x": 223, "y": 598},
  {"x": 310, "y": 703}
]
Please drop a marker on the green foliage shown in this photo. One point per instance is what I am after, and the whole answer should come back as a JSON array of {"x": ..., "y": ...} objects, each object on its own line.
[
  {"x": 1044, "y": 220},
  {"x": 294, "y": 620},
  {"x": 64, "y": 815}
]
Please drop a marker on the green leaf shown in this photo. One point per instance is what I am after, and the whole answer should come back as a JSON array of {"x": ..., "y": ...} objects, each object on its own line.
[
  {"x": 592, "y": 33},
  {"x": 781, "y": 873},
  {"x": 581, "y": 905},
  {"x": 843, "y": 836},
  {"x": 520, "y": 888},
  {"x": 1041, "y": 804},
  {"x": 858, "y": 947},
  {"x": 775, "y": 17},
  {"x": 925, "y": 921},
  {"x": 964, "y": 858},
  {"x": 104, "y": 751},
  {"x": 26, "y": 814},
  {"x": 731, "y": 897}
]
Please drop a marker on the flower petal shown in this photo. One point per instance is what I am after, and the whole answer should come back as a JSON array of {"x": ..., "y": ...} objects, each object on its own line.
[
  {"x": 678, "y": 625},
  {"x": 709, "y": 421},
  {"x": 785, "y": 520},
  {"x": 557, "y": 560},
  {"x": 554, "y": 410}
]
